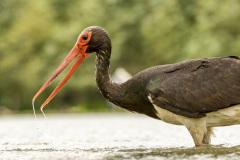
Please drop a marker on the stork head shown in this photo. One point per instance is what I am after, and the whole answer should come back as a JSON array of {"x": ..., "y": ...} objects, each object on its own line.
[{"x": 90, "y": 40}]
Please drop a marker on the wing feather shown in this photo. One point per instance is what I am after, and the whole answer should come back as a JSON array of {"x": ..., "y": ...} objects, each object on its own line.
[{"x": 197, "y": 87}]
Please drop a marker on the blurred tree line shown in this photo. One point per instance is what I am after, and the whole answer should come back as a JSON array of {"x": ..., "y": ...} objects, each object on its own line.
[{"x": 36, "y": 35}]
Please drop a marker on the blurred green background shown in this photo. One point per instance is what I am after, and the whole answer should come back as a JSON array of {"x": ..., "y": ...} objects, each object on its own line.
[{"x": 35, "y": 35}]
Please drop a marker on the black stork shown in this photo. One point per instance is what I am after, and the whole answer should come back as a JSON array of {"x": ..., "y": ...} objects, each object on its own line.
[{"x": 199, "y": 94}]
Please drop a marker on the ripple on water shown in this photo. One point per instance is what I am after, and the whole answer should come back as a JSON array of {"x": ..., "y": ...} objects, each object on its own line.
[{"x": 206, "y": 152}]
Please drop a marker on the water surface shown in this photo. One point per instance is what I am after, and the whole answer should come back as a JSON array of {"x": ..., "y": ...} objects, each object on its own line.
[{"x": 107, "y": 136}]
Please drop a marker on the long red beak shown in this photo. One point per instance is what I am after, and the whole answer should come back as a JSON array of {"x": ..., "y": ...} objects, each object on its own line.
[{"x": 78, "y": 51}]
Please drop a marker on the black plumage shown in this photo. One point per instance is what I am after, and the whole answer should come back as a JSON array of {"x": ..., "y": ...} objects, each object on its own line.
[{"x": 197, "y": 87}]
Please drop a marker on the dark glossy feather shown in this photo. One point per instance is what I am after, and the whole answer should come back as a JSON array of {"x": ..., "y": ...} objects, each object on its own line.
[{"x": 196, "y": 87}]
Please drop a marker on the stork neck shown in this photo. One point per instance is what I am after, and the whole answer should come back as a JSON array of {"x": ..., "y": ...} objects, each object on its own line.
[
  {"x": 104, "y": 82},
  {"x": 129, "y": 95}
]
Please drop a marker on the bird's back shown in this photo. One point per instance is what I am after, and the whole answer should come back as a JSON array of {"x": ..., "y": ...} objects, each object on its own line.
[{"x": 196, "y": 87}]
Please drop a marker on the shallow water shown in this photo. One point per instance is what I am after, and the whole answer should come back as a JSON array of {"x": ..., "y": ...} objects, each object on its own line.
[{"x": 107, "y": 136}]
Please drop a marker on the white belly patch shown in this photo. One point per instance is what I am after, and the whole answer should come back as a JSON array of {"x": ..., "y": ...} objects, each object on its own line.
[
  {"x": 222, "y": 117},
  {"x": 170, "y": 117}
]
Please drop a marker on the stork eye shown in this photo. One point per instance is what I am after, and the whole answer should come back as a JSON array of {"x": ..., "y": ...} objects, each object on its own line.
[{"x": 85, "y": 37}]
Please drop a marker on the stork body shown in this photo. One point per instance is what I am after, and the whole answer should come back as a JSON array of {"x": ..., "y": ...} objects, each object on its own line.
[{"x": 199, "y": 94}]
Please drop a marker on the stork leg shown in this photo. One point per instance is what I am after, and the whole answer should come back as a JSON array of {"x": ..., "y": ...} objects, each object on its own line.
[
  {"x": 207, "y": 136},
  {"x": 198, "y": 131}
]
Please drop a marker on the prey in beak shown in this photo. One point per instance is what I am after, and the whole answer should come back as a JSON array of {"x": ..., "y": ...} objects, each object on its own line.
[{"x": 79, "y": 51}]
